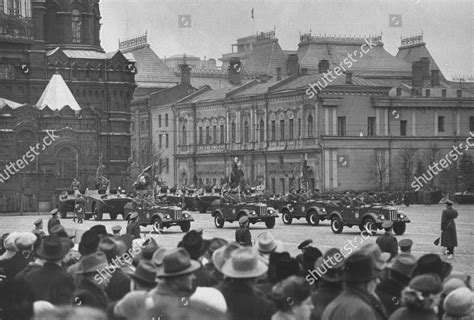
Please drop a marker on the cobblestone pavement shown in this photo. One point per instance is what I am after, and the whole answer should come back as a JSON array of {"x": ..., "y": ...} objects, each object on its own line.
[{"x": 423, "y": 229}]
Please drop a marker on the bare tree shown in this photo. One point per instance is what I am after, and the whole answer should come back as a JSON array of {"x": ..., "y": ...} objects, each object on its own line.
[
  {"x": 379, "y": 169},
  {"x": 431, "y": 156},
  {"x": 408, "y": 157}
]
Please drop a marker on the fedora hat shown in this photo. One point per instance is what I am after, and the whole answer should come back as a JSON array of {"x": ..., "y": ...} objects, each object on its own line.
[
  {"x": 403, "y": 264},
  {"x": 92, "y": 263},
  {"x": 177, "y": 262},
  {"x": 89, "y": 242},
  {"x": 148, "y": 249},
  {"x": 100, "y": 230},
  {"x": 432, "y": 263},
  {"x": 459, "y": 303},
  {"x": 194, "y": 244},
  {"x": 266, "y": 243},
  {"x": 51, "y": 248},
  {"x": 332, "y": 274},
  {"x": 360, "y": 267},
  {"x": 373, "y": 250},
  {"x": 244, "y": 263},
  {"x": 144, "y": 272},
  {"x": 426, "y": 284},
  {"x": 158, "y": 255},
  {"x": 216, "y": 243},
  {"x": 221, "y": 255}
]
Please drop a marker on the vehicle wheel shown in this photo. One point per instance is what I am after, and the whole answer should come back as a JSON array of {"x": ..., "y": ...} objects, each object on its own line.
[
  {"x": 399, "y": 228},
  {"x": 313, "y": 218},
  {"x": 336, "y": 225},
  {"x": 185, "y": 226},
  {"x": 369, "y": 224},
  {"x": 286, "y": 217},
  {"x": 113, "y": 216},
  {"x": 63, "y": 214},
  {"x": 156, "y": 222},
  {"x": 218, "y": 221},
  {"x": 270, "y": 223}
]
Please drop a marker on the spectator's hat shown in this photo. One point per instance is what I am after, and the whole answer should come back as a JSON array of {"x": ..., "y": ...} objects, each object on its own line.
[
  {"x": 100, "y": 230},
  {"x": 194, "y": 244},
  {"x": 51, "y": 248},
  {"x": 291, "y": 291},
  {"x": 426, "y": 284},
  {"x": 54, "y": 211},
  {"x": 38, "y": 222},
  {"x": 148, "y": 249},
  {"x": 244, "y": 263},
  {"x": 177, "y": 262},
  {"x": 144, "y": 272},
  {"x": 221, "y": 255},
  {"x": 25, "y": 240},
  {"x": 209, "y": 299},
  {"x": 200, "y": 231},
  {"x": 305, "y": 244},
  {"x": 373, "y": 250},
  {"x": 451, "y": 285},
  {"x": 332, "y": 274},
  {"x": 360, "y": 267},
  {"x": 432, "y": 263},
  {"x": 131, "y": 305},
  {"x": 405, "y": 243},
  {"x": 309, "y": 257},
  {"x": 266, "y": 243},
  {"x": 92, "y": 263},
  {"x": 158, "y": 255},
  {"x": 458, "y": 304},
  {"x": 116, "y": 229},
  {"x": 387, "y": 224},
  {"x": 403, "y": 264},
  {"x": 89, "y": 242},
  {"x": 243, "y": 219},
  {"x": 449, "y": 202},
  {"x": 216, "y": 243}
]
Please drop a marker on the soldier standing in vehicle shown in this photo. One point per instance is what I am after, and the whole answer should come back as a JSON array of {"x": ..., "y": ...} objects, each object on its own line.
[
  {"x": 387, "y": 242},
  {"x": 449, "y": 237},
  {"x": 242, "y": 234},
  {"x": 75, "y": 185},
  {"x": 79, "y": 205},
  {"x": 133, "y": 227}
]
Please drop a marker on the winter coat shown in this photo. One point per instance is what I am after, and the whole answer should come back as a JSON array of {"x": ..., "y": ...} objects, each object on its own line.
[
  {"x": 448, "y": 227},
  {"x": 405, "y": 313},
  {"x": 243, "y": 236},
  {"x": 88, "y": 294},
  {"x": 118, "y": 286},
  {"x": 133, "y": 229},
  {"x": 389, "y": 291},
  {"x": 355, "y": 304},
  {"x": 326, "y": 293},
  {"x": 14, "y": 265}
]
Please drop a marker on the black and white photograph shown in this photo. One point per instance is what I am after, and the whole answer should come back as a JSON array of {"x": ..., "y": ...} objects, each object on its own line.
[{"x": 236, "y": 159}]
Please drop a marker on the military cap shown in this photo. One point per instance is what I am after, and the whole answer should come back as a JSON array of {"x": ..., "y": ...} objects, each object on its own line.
[
  {"x": 116, "y": 229},
  {"x": 134, "y": 215},
  {"x": 243, "y": 219},
  {"x": 305, "y": 244},
  {"x": 387, "y": 224},
  {"x": 449, "y": 202},
  {"x": 54, "y": 211},
  {"x": 38, "y": 222},
  {"x": 405, "y": 243}
]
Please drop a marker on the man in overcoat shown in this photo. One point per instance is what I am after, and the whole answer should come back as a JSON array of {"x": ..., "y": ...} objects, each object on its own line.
[{"x": 449, "y": 237}]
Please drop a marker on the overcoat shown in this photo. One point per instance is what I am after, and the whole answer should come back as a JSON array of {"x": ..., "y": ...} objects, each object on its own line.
[{"x": 448, "y": 227}]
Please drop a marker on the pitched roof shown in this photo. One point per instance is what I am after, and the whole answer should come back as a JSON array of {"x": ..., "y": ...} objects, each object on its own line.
[
  {"x": 5, "y": 102},
  {"x": 266, "y": 57},
  {"x": 151, "y": 70},
  {"x": 57, "y": 95},
  {"x": 415, "y": 52}
]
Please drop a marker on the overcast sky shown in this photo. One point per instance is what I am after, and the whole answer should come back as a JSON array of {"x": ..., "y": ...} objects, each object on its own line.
[{"x": 447, "y": 25}]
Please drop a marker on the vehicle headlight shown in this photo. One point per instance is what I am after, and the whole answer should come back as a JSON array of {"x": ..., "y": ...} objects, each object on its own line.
[
  {"x": 382, "y": 217},
  {"x": 402, "y": 216},
  {"x": 323, "y": 210},
  {"x": 252, "y": 213},
  {"x": 185, "y": 215},
  {"x": 167, "y": 216}
]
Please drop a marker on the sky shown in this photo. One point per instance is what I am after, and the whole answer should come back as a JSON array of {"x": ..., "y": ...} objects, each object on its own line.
[{"x": 447, "y": 25}]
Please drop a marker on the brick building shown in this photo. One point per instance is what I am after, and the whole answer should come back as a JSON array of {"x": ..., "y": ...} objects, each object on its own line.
[{"x": 41, "y": 39}]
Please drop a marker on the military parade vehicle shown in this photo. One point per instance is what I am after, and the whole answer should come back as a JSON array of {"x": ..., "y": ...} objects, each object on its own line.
[
  {"x": 312, "y": 210},
  {"x": 368, "y": 217},
  {"x": 464, "y": 197},
  {"x": 223, "y": 210},
  {"x": 160, "y": 215},
  {"x": 99, "y": 202}
]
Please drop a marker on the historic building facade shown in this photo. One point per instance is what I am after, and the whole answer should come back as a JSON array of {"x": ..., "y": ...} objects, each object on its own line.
[{"x": 40, "y": 39}]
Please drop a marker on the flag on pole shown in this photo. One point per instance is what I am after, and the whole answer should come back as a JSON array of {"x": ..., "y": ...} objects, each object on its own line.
[{"x": 251, "y": 12}]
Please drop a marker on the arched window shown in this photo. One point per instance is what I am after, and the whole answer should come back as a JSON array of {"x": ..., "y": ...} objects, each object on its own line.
[
  {"x": 262, "y": 130},
  {"x": 183, "y": 132},
  {"x": 310, "y": 126},
  {"x": 246, "y": 131},
  {"x": 66, "y": 163},
  {"x": 24, "y": 140},
  {"x": 76, "y": 26},
  {"x": 232, "y": 132}
]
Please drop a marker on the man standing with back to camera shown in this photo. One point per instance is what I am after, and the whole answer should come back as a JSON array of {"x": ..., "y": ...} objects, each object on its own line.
[{"x": 449, "y": 237}]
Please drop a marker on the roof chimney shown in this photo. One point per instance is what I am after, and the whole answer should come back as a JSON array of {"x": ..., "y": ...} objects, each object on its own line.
[
  {"x": 434, "y": 78},
  {"x": 349, "y": 77},
  {"x": 235, "y": 69},
  {"x": 185, "y": 74},
  {"x": 292, "y": 64},
  {"x": 417, "y": 77},
  {"x": 278, "y": 74},
  {"x": 323, "y": 66},
  {"x": 425, "y": 61}
]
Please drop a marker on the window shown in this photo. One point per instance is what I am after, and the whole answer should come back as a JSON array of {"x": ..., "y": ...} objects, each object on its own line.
[
  {"x": 200, "y": 135},
  {"x": 281, "y": 162},
  {"x": 441, "y": 124},
  {"x": 167, "y": 140},
  {"x": 282, "y": 129},
  {"x": 341, "y": 126},
  {"x": 116, "y": 151},
  {"x": 183, "y": 133},
  {"x": 273, "y": 130},
  {"x": 246, "y": 131},
  {"x": 273, "y": 186},
  {"x": 160, "y": 142},
  {"x": 471, "y": 124},
  {"x": 282, "y": 182},
  {"x": 371, "y": 126},
  {"x": 76, "y": 26},
  {"x": 310, "y": 126},
  {"x": 133, "y": 127},
  {"x": 222, "y": 133},
  {"x": 403, "y": 128},
  {"x": 299, "y": 128},
  {"x": 232, "y": 132},
  {"x": 214, "y": 134},
  {"x": 167, "y": 165},
  {"x": 159, "y": 121},
  {"x": 208, "y": 135},
  {"x": 166, "y": 120},
  {"x": 142, "y": 125},
  {"x": 291, "y": 129},
  {"x": 262, "y": 130}
]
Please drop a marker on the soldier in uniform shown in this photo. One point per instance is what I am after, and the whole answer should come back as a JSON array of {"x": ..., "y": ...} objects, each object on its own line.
[
  {"x": 387, "y": 242},
  {"x": 133, "y": 227},
  {"x": 79, "y": 207},
  {"x": 116, "y": 231},
  {"x": 54, "y": 220},
  {"x": 39, "y": 228},
  {"x": 242, "y": 234},
  {"x": 75, "y": 185},
  {"x": 449, "y": 237},
  {"x": 405, "y": 245}
]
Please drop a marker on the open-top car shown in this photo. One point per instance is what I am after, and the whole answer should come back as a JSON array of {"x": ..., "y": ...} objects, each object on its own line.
[
  {"x": 312, "y": 210},
  {"x": 99, "y": 202},
  {"x": 67, "y": 199},
  {"x": 160, "y": 216},
  {"x": 230, "y": 211},
  {"x": 368, "y": 217}
]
